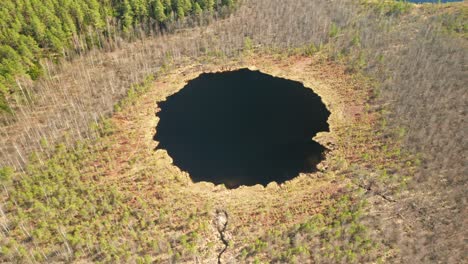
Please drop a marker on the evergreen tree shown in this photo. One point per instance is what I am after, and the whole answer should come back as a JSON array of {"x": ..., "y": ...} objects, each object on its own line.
[
  {"x": 158, "y": 11},
  {"x": 197, "y": 9},
  {"x": 35, "y": 29},
  {"x": 228, "y": 3},
  {"x": 126, "y": 15},
  {"x": 207, "y": 4},
  {"x": 140, "y": 9},
  {"x": 187, "y": 5},
  {"x": 179, "y": 6},
  {"x": 168, "y": 10}
]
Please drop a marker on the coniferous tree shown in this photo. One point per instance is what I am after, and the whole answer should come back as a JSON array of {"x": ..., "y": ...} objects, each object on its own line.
[
  {"x": 126, "y": 15},
  {"x": 158, "y": 11},
  {"x": 34, "y": 29},
  {"x": 197, "y": 9}
]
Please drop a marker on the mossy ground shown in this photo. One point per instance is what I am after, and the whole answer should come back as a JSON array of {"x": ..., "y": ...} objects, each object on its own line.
[{"x": 116, "y": 199}]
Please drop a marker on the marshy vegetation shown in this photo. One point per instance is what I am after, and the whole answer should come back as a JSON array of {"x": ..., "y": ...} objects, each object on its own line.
[{"x": 99, "y": 196}]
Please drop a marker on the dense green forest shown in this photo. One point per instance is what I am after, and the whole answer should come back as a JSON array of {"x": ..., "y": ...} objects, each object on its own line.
[{"x": 33, "y": 29}]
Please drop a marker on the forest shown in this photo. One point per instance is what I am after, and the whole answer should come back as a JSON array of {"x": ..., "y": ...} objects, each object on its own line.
[
  {"x": 33, "y": 30},
  {"x": 82, "y": 180}
]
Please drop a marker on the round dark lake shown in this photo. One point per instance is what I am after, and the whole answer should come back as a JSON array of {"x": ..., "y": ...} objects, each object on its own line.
[{"x": 242, "y": 128}]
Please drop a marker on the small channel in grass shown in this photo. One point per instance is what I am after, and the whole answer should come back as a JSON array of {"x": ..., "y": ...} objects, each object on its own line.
[{"x": 242, "y": 127}]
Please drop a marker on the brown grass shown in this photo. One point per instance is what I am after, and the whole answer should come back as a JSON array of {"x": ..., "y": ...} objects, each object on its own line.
[{"x": 141, "y": 172}]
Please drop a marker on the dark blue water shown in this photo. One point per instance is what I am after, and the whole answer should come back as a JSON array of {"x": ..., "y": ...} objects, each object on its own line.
[{"x": 242, "y": 128}]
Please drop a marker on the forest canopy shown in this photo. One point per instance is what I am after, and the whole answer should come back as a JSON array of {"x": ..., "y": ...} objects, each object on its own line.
[{"x": 35, "y": 29}]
